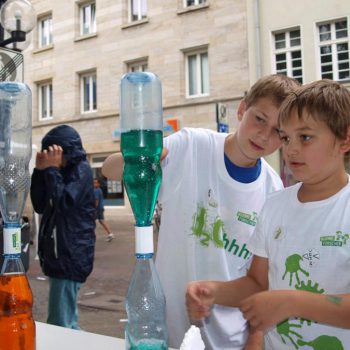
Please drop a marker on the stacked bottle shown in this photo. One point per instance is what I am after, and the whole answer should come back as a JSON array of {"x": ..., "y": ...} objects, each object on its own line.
[
  {"x": 141, "y": 145},
  {"x": 17, "y": 328}
]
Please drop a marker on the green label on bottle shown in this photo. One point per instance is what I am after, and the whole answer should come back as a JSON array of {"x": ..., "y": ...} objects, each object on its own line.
[{"x": 12, "y": 240}]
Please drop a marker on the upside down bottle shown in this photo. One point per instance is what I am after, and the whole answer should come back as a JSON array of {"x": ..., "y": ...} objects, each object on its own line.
[
  {"x": 141, "y": 146},
  {"x": 17, "y": 327}
]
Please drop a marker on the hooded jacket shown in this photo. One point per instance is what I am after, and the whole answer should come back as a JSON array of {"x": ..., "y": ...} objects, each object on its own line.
[{"x": 65, "y": 198}]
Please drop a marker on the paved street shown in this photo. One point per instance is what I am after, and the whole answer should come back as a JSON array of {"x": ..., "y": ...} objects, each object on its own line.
[{"x": 101, "y": 299}]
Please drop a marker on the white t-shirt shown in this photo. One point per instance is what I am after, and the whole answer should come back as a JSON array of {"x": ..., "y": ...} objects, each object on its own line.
[
  {"x": 207, "y": 219},
  {"x": 308, "y": 248}
]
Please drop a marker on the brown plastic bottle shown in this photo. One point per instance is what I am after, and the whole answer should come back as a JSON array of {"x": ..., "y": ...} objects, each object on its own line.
[{"x": 17, "y": 327}]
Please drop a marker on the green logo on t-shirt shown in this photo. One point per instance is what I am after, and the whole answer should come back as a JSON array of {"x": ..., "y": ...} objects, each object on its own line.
[{"x": 337, "y": 240}]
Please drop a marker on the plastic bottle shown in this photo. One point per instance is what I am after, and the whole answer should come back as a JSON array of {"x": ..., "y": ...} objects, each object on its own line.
[
  {"x": 141, "y": 141},
  {"x": 15, "y": 149},
  {"x": 17, "y": 327},
  {"x": 141, "y": 144},
  {"x": 145, "y": 301}
]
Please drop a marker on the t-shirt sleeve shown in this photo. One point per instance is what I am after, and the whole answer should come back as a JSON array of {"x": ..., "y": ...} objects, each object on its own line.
[{"x": 257, "y": 244}]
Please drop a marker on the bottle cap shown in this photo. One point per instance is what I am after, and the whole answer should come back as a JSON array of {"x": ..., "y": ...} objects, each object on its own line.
[{"x": 144, "y": 239}]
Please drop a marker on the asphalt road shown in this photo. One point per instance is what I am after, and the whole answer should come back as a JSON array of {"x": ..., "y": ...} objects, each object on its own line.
[{"x": 101, "y": 298}]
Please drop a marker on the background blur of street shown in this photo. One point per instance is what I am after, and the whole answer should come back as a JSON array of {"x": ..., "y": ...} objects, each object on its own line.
[{"x": 101, "y": 299}]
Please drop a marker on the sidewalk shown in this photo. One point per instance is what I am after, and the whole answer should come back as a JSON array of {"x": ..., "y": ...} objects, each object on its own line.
[{"x": 101, "y": 299}]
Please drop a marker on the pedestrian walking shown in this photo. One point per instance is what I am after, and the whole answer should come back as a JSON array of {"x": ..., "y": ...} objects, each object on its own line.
[{"x": 100, "y": 209}]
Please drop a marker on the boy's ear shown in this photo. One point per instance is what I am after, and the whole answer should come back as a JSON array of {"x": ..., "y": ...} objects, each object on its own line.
[
  {"x": 241, "y": 110},
  {"x": 345, "y": 144}
]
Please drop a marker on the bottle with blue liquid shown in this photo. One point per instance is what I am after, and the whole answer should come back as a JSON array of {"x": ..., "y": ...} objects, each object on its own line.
[{"x": 141, "y": 121}]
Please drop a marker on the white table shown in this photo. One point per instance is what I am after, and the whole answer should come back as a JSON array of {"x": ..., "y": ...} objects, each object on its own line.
[{"x": 50, "y": 337}]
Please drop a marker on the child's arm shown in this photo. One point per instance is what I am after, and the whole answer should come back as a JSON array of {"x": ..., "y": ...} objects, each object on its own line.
[
  {"x": 201, "y": 295},
  {"x": 255, "y": 341},
  {"x": 267, "y": 309}
]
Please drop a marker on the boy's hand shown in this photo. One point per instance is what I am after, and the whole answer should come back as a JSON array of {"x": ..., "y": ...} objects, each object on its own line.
[
  {"x": 266, "y": 309},
  {"x": 53, "y": 157},
  {"x": 199, "y": 299}
]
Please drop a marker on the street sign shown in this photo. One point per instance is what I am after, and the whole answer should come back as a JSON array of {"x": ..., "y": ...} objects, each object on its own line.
[
  {"x": 221, "y": 118},
  {"x": 11, "y": 65}
]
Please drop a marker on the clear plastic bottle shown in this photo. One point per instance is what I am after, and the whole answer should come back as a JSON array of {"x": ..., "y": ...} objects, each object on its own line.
[
  {"x": 15, "y": 149},
  {"x": 17, "y": 327},
  {"x": 145, "y": 301},
  {"x": 141, "y": 122}
]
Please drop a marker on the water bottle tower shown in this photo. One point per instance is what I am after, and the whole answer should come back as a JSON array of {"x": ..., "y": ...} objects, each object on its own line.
[
  {"x": 141, "y": 124},
  {"x": 17, "y": 328}
]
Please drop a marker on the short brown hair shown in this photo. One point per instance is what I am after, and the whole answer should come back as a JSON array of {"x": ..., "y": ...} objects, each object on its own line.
[
  {"x": 323, "y": 100},
  {"x": 275, "y": 86}
]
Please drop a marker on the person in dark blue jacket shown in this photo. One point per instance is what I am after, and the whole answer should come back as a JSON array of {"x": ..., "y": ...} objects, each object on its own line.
[{"x": 62, "y": 191}]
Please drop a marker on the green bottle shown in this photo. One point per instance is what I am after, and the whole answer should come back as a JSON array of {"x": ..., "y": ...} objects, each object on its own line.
[{"x": 142, "y": 171}]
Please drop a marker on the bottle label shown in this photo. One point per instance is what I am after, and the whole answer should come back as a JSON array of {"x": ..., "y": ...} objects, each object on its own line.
[{"x": 12, "y": 240}]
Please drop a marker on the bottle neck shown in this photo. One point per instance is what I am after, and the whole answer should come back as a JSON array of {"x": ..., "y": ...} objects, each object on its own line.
[
  {"x": 144, "y": 242},
  {"x": 12, "y": 239}
]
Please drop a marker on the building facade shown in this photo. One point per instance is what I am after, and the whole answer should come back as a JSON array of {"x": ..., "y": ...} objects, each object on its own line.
[
  {"x": 81, "y": 49},
  {"x": 206, "y": 52}
]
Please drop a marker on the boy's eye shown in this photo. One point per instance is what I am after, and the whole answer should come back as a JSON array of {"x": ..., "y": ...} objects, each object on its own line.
[
  {"x": 305, "y": 137},
  {"x": 259, "y": 119}
]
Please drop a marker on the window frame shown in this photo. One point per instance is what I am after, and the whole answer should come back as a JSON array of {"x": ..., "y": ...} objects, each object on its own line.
[
  {"x": 333, "y": 43},
  {"x": 288, "y": 50},
  {"x": 47, "y": 89},
  {"x": 92, "y": 23},
  {"x": 137, "y": 66},
  {"x": 92, "y": 105},
  {"x": 41, "y": 20},
  {"x": 139, "y": 16},
  {"x": 200, "y": 89},
  {"x": 196, "y": 3}
]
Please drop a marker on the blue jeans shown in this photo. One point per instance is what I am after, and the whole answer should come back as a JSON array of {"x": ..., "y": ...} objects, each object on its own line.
[{"x": 63, "y": 307}]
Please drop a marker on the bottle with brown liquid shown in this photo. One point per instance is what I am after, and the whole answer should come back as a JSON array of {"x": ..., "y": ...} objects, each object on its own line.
[{"x": 17, "y": 327}]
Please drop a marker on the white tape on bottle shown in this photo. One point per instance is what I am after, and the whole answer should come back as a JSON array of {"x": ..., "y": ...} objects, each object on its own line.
[{"x": 144, "y": 239}]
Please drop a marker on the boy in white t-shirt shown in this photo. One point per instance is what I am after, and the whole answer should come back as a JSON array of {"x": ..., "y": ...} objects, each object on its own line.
[
  {"x": 297, "y": 289},
  {"x": 212, "y": 190}
]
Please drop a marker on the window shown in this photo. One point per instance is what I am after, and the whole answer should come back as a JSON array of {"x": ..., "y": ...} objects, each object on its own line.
[
  {"x": 45, "y": 31},
  {"x": 188, "y": 3},
  {"x": 333, "y": 40},
  {"x": 140, "y": 66},
  {"x": 138, "y": 10},
  {"x": 197, "y": 74},
  {"x": 88, "y": 18},
  {"x": 88, "y": 93},
  {"x": 45, "y": 101},
  {"x": 287, "y": 54}
]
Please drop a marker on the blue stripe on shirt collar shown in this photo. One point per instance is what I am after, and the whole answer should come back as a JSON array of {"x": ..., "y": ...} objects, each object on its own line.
[{"x": 240, "y": 174}]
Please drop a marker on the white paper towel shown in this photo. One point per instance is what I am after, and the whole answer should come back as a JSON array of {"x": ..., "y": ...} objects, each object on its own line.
[{"x": 192, "y": 340}]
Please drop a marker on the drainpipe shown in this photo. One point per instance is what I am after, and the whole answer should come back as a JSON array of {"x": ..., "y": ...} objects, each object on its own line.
[{"x": 257, "y": 39}]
